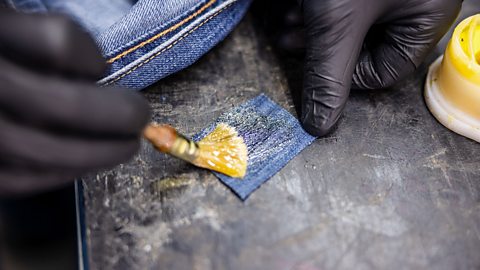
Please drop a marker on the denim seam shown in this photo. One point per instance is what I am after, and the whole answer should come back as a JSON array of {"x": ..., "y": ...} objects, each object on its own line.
[
  {"x": 113, "y": 80},
  {"x": 112, "y": 52},
  {"x": 163, "y": 33}
]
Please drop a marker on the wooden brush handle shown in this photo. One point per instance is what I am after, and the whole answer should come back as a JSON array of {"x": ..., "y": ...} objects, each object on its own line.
[
  {"x": 161, "y": 136},
  {"x": 166, "y": 139}
]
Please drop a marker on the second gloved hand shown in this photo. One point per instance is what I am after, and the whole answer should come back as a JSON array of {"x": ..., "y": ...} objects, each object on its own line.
[
  {"x": 370, "y": 43},
  {"x": 55, "y": 123}
]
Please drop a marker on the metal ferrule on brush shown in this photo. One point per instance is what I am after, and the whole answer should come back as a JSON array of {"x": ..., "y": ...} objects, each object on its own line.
[{"x": 184, "y": 148}]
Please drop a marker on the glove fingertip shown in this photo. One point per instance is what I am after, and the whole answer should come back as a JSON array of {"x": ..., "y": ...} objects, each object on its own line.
[
  {"x": 139, "y": 111},
  {"x": 125, "y": 152},
  {"x": 317, "y": 129}
]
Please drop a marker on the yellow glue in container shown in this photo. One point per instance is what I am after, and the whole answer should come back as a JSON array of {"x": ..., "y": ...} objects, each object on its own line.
[{"x": 452, "y": 89}]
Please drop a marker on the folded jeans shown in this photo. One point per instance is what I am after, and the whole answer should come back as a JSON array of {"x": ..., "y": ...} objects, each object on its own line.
[{"x": 146, "y": 40}]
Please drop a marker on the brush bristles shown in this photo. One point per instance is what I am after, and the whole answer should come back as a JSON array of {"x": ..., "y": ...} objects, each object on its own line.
[{"x": 223, "y": 151}]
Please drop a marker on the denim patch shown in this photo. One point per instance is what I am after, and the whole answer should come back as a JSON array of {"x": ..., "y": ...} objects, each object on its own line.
[{"x": 272, "y": 135}]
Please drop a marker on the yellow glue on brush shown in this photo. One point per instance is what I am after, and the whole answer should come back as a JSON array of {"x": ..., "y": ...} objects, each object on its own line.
[
  {"x": 452, "y": 89},
  {"x": 222, "y": 150}
]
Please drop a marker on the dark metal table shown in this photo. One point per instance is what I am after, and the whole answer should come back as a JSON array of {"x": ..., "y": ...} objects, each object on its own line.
[{"x": 390, "y": 189}]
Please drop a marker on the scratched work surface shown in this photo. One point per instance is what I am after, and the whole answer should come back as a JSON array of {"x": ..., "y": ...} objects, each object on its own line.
[{"x": 389, "y": 189}]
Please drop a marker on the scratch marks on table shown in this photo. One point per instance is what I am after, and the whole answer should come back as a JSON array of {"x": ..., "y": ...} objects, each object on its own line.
[
  {"x": 375, "y": 156},
  {"x": 380, "y": 219}
]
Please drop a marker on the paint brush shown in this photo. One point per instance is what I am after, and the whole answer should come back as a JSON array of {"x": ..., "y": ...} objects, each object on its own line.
[{"x": 222, "y": 150}]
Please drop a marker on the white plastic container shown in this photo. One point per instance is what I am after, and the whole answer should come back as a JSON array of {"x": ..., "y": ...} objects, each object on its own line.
[{"x": 452, "y": 88}]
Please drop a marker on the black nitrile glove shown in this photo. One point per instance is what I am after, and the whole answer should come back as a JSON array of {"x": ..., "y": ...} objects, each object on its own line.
[
  {"x": 339, "y": 51},
  {"x": 55, "y": 123}
]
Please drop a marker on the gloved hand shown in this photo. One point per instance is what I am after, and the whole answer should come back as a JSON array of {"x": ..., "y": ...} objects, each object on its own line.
[
  {"x": 55, "y": 123},
  {"x": 365, "y": 44}
]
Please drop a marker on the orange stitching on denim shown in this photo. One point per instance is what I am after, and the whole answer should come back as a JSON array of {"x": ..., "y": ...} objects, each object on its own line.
[
  {"x": 159, "y": 35},
  {"x": 169, "y": 47}
]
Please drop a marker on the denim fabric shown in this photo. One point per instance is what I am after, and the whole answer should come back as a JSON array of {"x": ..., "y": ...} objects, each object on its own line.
[
  {"x": 272, "y": 135},
  {"x": 93, "y": 15},
  {"x": 147, "y": 40}
]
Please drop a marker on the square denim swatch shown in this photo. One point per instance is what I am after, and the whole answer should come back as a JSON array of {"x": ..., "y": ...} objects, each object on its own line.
[{"x": 272, "y": 135}]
